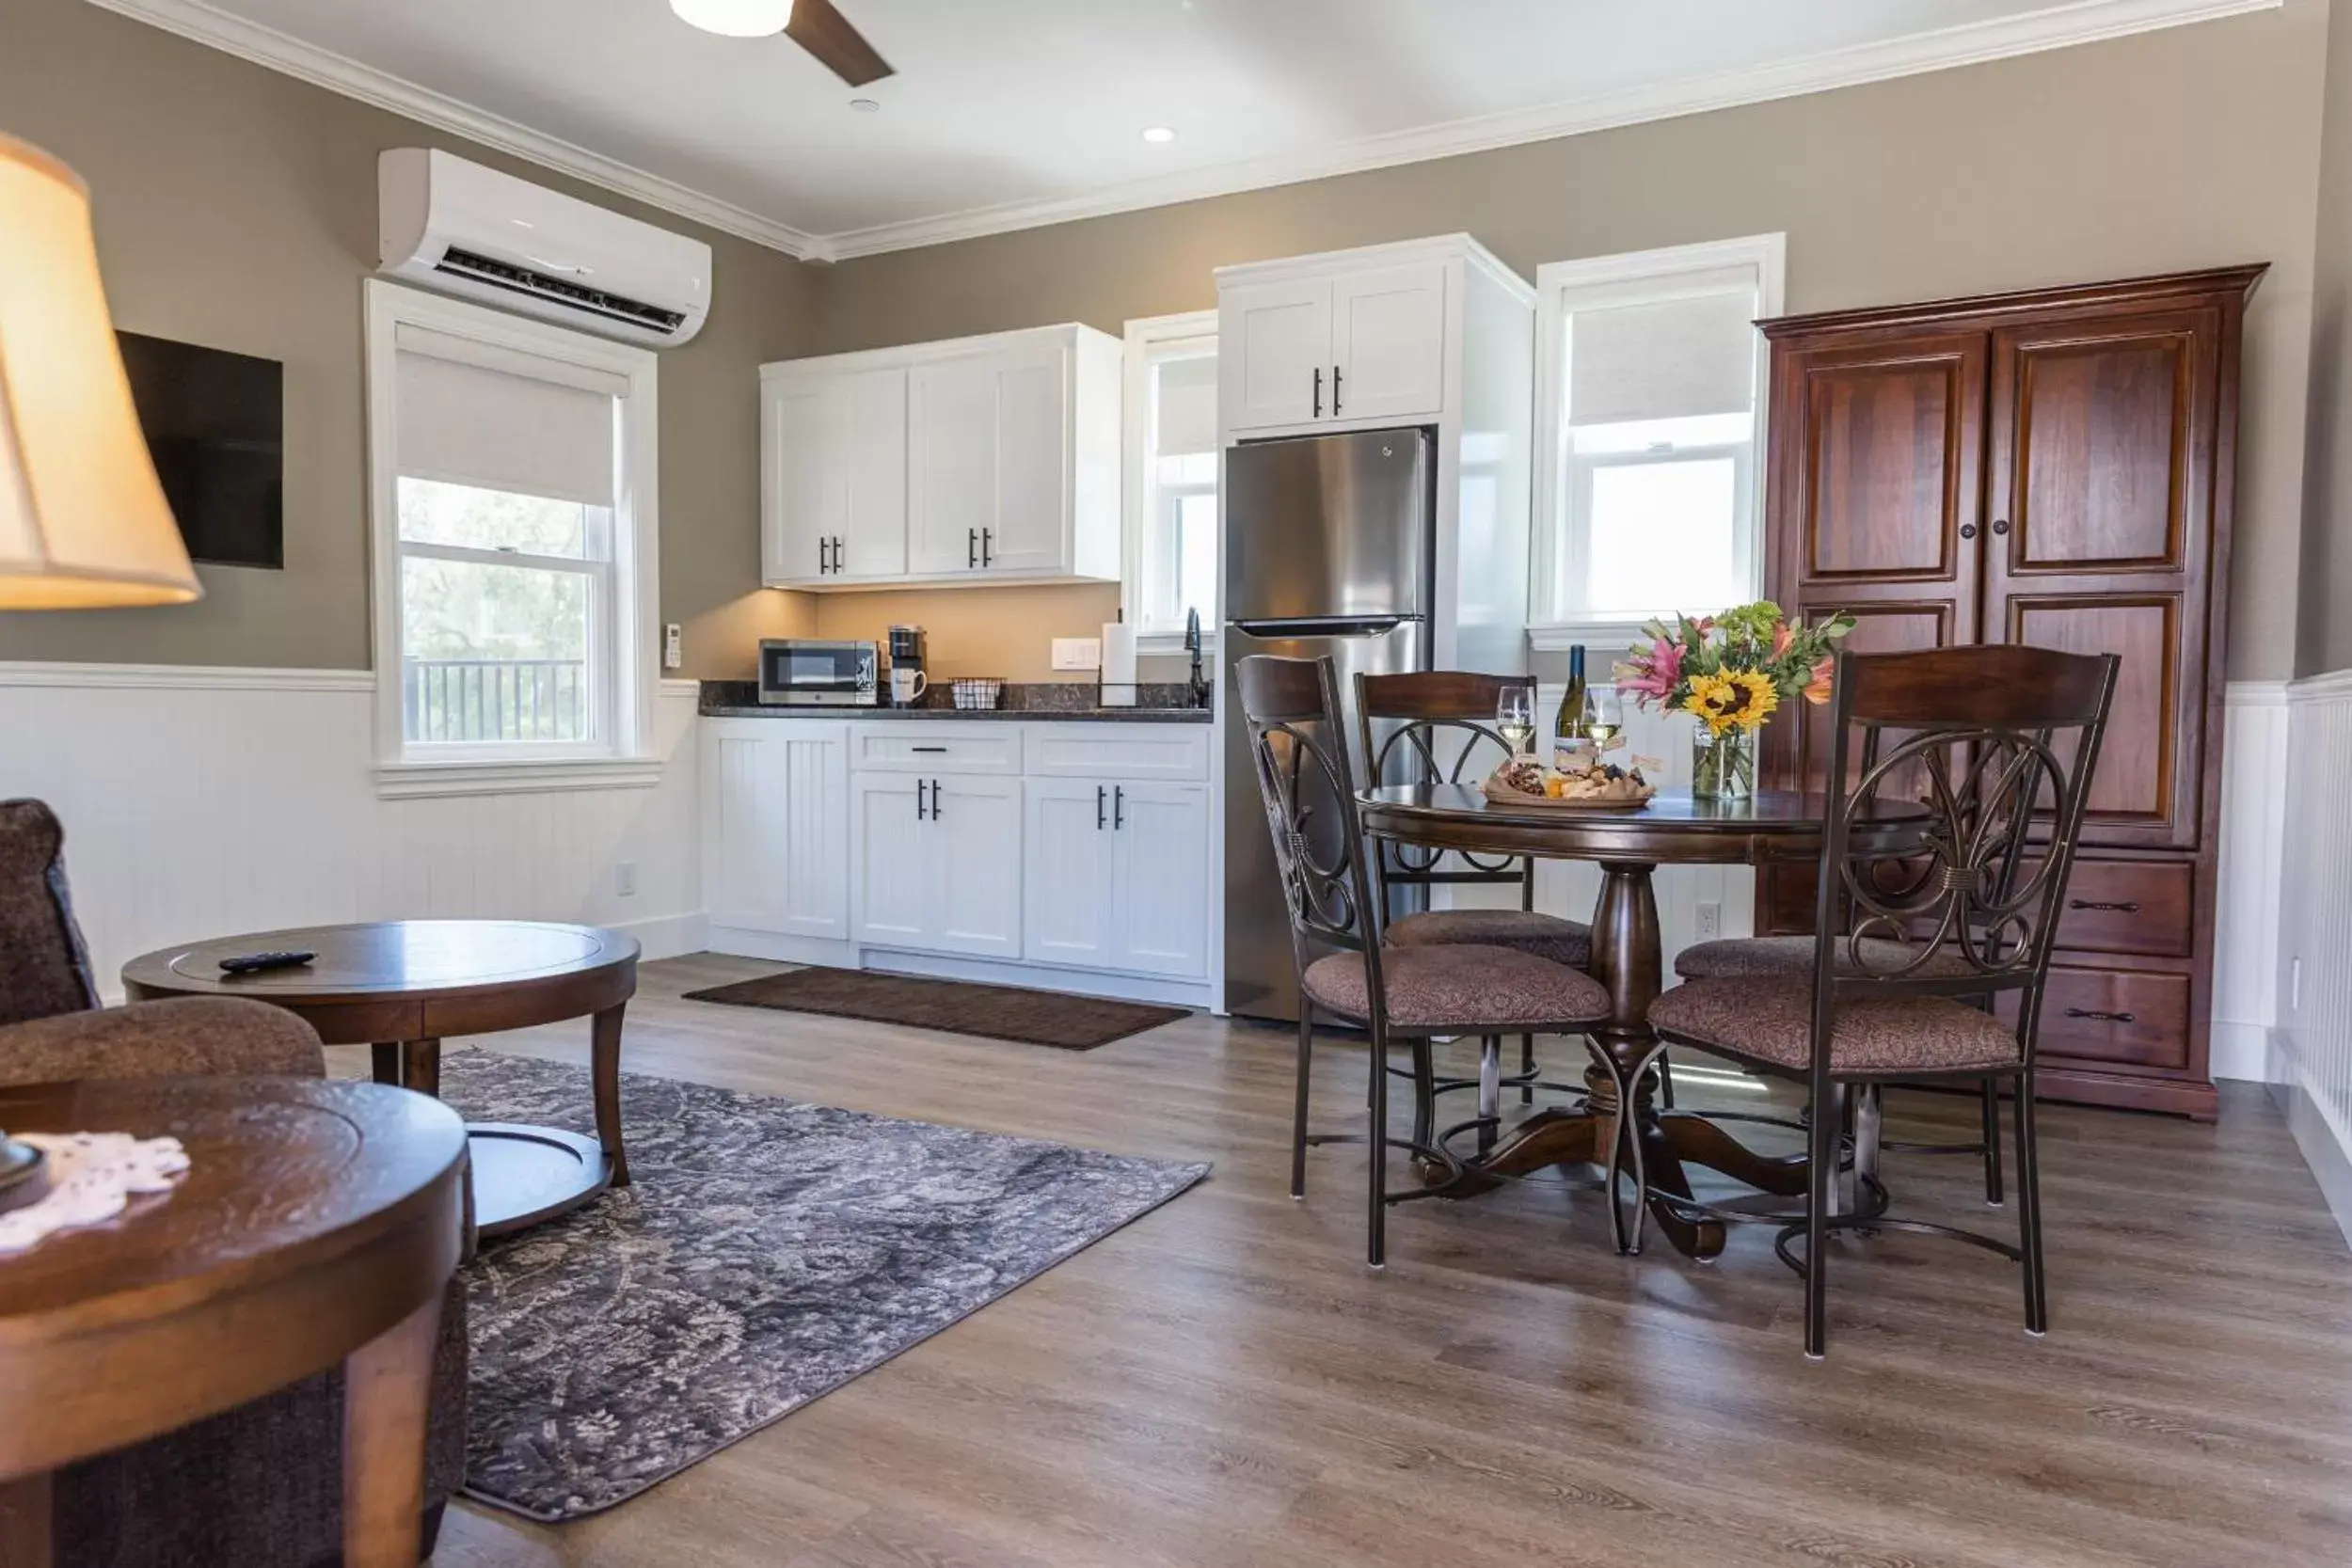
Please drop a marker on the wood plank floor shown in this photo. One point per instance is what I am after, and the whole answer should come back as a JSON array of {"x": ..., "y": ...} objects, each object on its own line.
[{"x": 1224, "y": 1381}]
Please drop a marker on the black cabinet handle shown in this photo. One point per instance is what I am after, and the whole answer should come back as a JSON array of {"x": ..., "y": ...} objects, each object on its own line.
[
  {"x": 971, "y": 548},
  {"x": 2126, "y": 907},
  {"x": 1967, "y": 531},
  {"x": 1098, "y": 808},
  {"x": 918, "y": 800},
  {"x": 2000, "y": 525},
  {"x": 988, "y": 545},
  {"x": 821, "y": 558},
  {"x": 1119, "y": 806},
  {"x": 1335, "y": 392},
  {"x": 837, "y": 553},
  {"x": 2104, "y": 1017},
  {"x": 940, "y": 751},
  {"x": 1318, "y": 392},
  {"x": 935, "y": 799}
]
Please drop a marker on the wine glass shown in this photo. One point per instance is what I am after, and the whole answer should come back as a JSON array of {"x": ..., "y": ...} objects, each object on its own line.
[
  {"x": 1603, "y": 718},
  {"x": 1515, "y": 717}
]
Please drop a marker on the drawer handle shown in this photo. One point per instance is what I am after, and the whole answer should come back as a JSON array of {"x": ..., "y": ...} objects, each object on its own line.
[
  {"x": 940, "y": 750},
  {"x": 2125, "y": 907},
  {"x": 2104, "y": 1018}
]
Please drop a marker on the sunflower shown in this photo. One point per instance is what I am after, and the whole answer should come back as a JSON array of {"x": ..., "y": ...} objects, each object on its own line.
[{"x": 1739, "y": 699}]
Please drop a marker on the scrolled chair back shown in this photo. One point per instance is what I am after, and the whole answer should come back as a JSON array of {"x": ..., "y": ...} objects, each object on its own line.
[
  {"x": 1996, "y": 745},
  {"x": 1435, "y": 726},
  {"x": 1299, "y": 748}
]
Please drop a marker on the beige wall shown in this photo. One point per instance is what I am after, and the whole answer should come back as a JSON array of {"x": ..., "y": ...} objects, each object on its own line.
[
  {"x": 1006, "y": 632},
  {"x": 2324, "y": 630},
  {"x": 236, "y": 208},
  {"x": 2187, "y": 147}
]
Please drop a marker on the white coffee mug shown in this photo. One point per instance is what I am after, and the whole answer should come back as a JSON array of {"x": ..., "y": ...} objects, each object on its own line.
[{"x": 907, "y": 686}]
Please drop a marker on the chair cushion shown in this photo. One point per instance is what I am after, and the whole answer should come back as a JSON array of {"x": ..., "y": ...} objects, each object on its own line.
[
  {"x": 185, "y": 1034},
  {"x": 1460, "y": 989},
  {"x": 1547, "y": 936},
  {"x": 1771, "y": 1022},
  {"x": 1754, "y": 956}
]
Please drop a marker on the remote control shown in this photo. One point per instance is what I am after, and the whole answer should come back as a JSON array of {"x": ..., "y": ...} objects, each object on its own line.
[{"x": 253, "y": 963}]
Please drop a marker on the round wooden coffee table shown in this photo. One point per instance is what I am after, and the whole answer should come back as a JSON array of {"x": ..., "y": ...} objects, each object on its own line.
[
  {"x": 403, "y": 986},
  {"x": 319, "y": 1222}
]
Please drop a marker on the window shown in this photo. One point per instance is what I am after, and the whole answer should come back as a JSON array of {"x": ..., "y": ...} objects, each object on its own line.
[
  {"x": 1171, "y": 468},
  {"x": 1649, "y": 391},
  {"x": 512, "y": 499}
]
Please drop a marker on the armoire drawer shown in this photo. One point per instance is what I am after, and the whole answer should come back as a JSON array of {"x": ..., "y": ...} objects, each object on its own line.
[
  {"x": 2139, "y": 1016},
  {"x": 2130, "y": 906}
]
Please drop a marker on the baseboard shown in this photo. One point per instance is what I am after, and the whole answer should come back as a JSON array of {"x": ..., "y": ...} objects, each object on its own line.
[
  {"x": 668, "y": 936},
  {"x": 737, "y": 943},
  {"x": 2325, "y": 1147}
]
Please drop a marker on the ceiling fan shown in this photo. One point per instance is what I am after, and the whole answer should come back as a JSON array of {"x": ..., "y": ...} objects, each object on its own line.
[{"x": 814, "y": 24}]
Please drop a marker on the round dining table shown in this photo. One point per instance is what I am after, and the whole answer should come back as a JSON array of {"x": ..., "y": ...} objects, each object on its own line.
[{"x": 1674, "y": 828}]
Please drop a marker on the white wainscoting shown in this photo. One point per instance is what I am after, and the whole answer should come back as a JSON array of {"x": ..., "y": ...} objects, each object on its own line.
[
  {"x": 2313, "y": 1042},
  {"x": 2253, "y": 832},
  {"x": 201, "y": 803}
]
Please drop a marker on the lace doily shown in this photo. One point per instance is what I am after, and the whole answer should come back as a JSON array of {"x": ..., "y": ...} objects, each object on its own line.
[{"x": 92, "y": 1177}]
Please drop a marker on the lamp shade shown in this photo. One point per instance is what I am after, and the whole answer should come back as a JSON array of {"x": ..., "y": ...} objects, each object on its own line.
[{"x": 83, "y": 519}]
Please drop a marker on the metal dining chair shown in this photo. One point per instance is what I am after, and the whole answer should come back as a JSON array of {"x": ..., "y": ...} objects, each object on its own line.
[
  {"x": 1300, "y": 754},
  {"x": 1436, "y": 726},
  {"x": 1916, "y": 949}
]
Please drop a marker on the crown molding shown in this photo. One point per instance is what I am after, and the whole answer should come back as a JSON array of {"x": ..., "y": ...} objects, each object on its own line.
[
  {"x": 1972, "y": 43},
  {"x": 266, "y": 46}
]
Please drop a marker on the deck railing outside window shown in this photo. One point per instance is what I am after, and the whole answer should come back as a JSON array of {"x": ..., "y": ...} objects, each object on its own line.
[{"x": 458, "y": 700}]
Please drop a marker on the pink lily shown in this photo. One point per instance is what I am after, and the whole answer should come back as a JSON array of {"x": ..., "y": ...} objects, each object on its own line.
[{"x": 1817, "y": 690}]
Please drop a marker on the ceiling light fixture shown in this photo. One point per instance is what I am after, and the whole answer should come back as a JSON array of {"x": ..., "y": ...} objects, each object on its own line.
[
  {"x": 866, "y": 105},
  {"x": 736, "y": 19},
  {"x": 1158, "y": 134}
]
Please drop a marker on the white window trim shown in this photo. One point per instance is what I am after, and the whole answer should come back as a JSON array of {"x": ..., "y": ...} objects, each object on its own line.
[
  {"x": 630, "y": 761},
  {"x": 1768, "y": 254},
  {"x": 1142, "y": 335}
]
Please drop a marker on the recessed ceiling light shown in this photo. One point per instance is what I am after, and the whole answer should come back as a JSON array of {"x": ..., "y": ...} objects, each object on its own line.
[
  {"x": 1157, "y": 133},
  {"x": 866, "y": 105},
  {"x": 736, "y": 19}
]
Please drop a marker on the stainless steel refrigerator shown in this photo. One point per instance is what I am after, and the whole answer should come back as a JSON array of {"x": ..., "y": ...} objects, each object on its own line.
[{"x": 1330, "y": 548}]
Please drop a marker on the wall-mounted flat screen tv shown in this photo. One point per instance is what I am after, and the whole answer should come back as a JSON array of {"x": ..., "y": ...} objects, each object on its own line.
[{"x": 215, "y": 426}]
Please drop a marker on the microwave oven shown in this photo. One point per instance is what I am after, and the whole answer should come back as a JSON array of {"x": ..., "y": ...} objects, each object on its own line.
[{"x": 803, "y": 670}]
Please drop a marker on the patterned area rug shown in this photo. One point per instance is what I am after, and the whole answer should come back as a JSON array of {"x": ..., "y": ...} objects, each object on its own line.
[{"x": 768, "y": 1253}]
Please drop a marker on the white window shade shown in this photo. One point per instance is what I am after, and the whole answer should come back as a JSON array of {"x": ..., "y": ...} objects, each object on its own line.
[
  {"x": 1186, "y": 415},
  {"x": 1673, "y": 358},
  {"x": 463, "y": 422}
]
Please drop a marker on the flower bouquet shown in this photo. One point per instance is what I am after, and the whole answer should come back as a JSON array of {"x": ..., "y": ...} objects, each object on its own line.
[{"x": 1730, "y": 672}]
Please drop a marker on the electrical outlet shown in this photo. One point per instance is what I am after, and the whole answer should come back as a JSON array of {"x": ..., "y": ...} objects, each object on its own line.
[
  {"x": 624, "y": 879},
  {"x": 1708, "y": 920},
  {"x": 1077, "y": 653},
  {"x": 673, "y": 646}
]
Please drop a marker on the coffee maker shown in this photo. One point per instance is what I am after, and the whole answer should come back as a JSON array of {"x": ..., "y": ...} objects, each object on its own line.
[{"x": 907, "y": 680}]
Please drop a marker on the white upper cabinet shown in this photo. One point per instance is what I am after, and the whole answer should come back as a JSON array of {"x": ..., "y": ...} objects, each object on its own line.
[
  {"x": 1342, "y": 338},
  {"x": 981, "y": 460},
  {"x": 1388, "y": 344},
  {"x": 1273, "y": 352}
]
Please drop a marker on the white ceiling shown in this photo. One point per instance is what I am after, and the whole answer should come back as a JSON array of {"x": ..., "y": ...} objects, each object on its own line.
[{"x": 1006, "y": 113}]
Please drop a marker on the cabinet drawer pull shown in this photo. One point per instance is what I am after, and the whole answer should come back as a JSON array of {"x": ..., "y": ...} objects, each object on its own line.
[
  {"x": 2112, "y": 907},
  {"x": 1335, "y": 392},
  {"x": 2101, "y": 1016},
  {"x": 1119, "y": 806},
  {"x": 1098, "y": 808},
  {"x": 938, "y": 750},
  {"x": 935, "y": 799},
  {"x": 918, "y": 800},
  {"x": 1318, "y": 392},
  {"x": 972, "y": 548},
  {"x": 988, "y": 546},
  {"x": 1967, "y": 531}
]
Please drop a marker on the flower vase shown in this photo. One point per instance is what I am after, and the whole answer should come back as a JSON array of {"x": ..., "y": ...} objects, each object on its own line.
[{"x": 1722, "y": 766}]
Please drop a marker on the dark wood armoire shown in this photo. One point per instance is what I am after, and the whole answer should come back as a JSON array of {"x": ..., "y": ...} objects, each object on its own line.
[{"x": 2054, "y": 466}]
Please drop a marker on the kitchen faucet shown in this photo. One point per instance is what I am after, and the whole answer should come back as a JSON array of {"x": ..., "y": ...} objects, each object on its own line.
[{"x": 1199, "y": 684}]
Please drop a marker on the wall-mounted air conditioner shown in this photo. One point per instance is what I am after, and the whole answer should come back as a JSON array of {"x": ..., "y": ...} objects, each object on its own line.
[{"x": 472, "y": 230}]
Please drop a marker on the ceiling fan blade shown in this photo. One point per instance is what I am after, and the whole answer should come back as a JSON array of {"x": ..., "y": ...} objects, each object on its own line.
[{"x": 840, "y": 48}]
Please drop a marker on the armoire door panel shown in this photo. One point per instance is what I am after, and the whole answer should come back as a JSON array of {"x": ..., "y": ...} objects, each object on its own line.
[
  {"x": 2097, "y": 429},
  {"x": 1889, "y": 468},
  {"x": 2145, "y": 788}
]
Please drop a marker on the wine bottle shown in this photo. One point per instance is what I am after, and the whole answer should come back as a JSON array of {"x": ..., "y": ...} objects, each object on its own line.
[{"x": 1571, "y": 750}]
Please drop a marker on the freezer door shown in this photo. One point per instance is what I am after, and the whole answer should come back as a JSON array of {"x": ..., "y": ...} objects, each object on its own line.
[
  {"x": 1259, "y": 981},
  {"x": 1329, "y": 526}
]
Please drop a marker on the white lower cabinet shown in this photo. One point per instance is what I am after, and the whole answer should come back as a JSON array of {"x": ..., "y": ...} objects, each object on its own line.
[
  {"x": 1081, "y": 847},
  {"x": 774, "y": 798},
  {"x": 938, "y": 864},
  {"x": 1118, "y": 876}
]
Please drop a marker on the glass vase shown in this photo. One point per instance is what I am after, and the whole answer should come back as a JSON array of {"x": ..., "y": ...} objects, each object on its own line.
[{"x": 1722, "y": 766}]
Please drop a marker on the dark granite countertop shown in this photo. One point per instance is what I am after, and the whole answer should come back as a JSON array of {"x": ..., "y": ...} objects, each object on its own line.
[{"x": 1072, "y": 702}]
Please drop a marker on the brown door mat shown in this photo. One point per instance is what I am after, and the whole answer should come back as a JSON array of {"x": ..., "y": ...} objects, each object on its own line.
[{"x": 992, "y": 1012}]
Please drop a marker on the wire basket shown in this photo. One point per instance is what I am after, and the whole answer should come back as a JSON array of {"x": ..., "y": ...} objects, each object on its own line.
[{"x": 978, "y": 693}]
